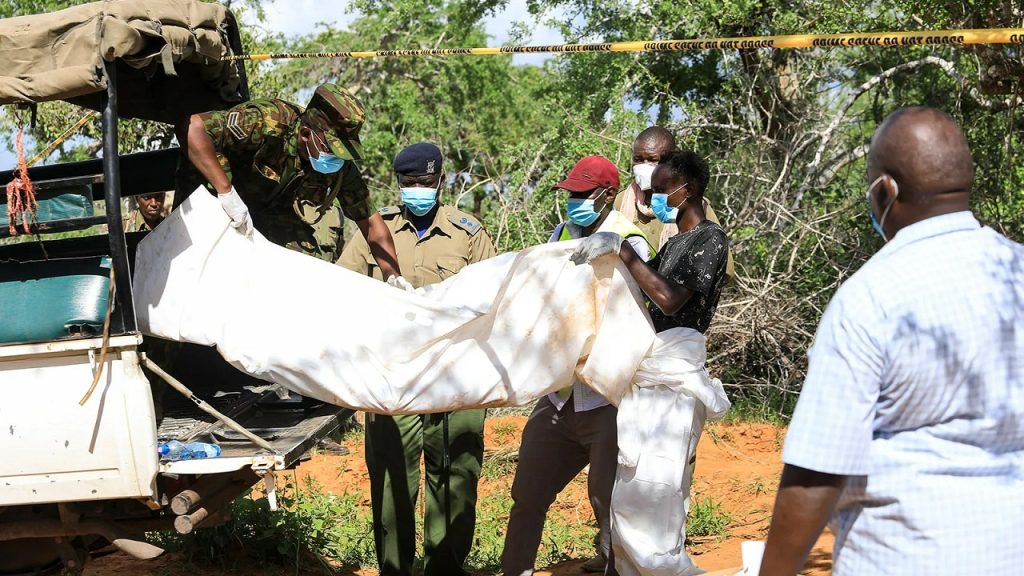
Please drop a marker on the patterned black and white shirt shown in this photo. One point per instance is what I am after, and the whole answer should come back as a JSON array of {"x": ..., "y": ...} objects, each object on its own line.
[{"x": 696, "y": 259}]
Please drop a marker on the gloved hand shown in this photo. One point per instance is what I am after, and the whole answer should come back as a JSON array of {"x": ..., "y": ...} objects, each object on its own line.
[
  {"x": 237, "y": 211},
  {"x": 400, "y": 283},
  {"x": 595, "y": 246}
]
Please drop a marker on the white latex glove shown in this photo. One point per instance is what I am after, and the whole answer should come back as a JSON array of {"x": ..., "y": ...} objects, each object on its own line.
[
  {"x": 237, "y": 211},
  {"x": 400, "y": 283},
  {"x": 595, "y": 246}
]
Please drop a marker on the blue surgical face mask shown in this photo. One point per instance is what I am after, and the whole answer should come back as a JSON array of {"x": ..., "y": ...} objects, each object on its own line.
[
  {"x": 581, "y": 212},
  {"x": 419, "y": 199},
  {"x": 662, "y": 211},
  {"x": 325, "y": 162},
  {"x": 875, "y": 222},
  {"x": 877, "y": 225}
]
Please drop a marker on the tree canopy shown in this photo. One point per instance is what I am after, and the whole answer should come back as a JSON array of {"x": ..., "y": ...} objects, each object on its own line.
[{"x": 785, "y": 131}]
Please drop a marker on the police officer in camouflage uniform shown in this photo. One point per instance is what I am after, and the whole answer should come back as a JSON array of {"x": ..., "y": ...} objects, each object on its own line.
[
  {"x": 433, "y": 243},
  {"x": 287, "y": 171}
]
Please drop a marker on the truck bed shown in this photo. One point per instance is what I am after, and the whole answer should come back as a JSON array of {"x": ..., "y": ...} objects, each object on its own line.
[{"x": 291, "y": 426}]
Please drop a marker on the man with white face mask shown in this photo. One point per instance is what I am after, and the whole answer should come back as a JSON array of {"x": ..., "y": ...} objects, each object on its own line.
[
  {"x": 650, "y": 146},
  {"x": 433, "y": 241}
]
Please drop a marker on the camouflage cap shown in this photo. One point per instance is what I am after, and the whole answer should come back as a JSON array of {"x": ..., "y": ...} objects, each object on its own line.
[{"x": 336, "y": 112}]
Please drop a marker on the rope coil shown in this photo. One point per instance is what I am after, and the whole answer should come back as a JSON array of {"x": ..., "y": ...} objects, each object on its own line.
[{"x": 21, "y": 195}]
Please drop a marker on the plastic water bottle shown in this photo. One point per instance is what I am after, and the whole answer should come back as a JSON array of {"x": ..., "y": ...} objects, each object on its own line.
[
  {"x": 203, "y": 450},
  {"x": 174, "y": 450}
]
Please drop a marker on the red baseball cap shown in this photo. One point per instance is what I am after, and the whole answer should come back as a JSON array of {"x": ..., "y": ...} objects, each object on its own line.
[{"x": 589, "y": 173}]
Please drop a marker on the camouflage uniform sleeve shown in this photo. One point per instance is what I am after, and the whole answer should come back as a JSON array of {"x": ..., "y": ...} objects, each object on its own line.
[
  {"x": 481, "y": 247},
  {"x": 353, "y": 257},
  {"x": 354, "y": 196},
  {"x": 238, "y": 129}
]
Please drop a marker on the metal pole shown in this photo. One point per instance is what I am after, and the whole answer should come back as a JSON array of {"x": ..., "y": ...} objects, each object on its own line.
[
  {"x": 112, "y": 202},
  {"x": 177, "y": 385}
]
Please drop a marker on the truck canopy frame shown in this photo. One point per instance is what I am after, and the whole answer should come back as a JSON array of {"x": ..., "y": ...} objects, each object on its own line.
[
  {"x": 170, "y": 57},
  {"x": 159, "y": 60}
]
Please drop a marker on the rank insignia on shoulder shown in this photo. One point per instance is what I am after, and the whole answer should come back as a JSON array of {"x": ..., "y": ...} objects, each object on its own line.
[
  {"x": 389, "y": 210},
  {"x": 233, "y": 125},
  {"x": 470, "y": 225}
]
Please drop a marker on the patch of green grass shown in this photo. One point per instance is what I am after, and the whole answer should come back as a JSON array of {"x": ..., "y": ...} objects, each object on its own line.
[
  {"x": 707, "y": 519},
  {"x": 564, "y": 538},
  {"x": 315, "y": 529},
  {"x": 750, "y": 410},
  {"x": 505, "y": 430},
  {"x": 311, "y": 527},
  {"x": 500, "y": 465},
  {"x": 349, "y": 432},
  {"x": 757, "y": 486},
  {"x": 489, "y": 536}
]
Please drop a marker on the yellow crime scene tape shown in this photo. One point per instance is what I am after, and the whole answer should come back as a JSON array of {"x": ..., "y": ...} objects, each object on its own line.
[{"x": 880, "y": 39}]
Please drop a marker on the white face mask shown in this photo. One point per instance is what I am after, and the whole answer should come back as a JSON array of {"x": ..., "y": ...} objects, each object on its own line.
[{"x": 642, "y": 175}]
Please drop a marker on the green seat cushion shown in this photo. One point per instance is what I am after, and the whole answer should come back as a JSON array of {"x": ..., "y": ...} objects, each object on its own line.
[
  {"x": 53, "y": 299},
  {"x": 59, "y": 204}
]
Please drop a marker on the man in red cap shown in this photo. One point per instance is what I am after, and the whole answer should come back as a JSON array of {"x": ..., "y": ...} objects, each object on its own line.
[{"x": 574, "y": 427}]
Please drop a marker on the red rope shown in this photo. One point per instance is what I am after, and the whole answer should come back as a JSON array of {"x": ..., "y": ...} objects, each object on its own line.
[{"x": 21, "y": 195}]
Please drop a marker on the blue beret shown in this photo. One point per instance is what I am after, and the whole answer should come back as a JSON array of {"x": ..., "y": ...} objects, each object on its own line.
[{"x": 418, "y": 159}]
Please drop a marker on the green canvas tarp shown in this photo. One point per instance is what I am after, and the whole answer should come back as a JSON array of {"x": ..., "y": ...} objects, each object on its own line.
[{"x": 169, "y": 56}]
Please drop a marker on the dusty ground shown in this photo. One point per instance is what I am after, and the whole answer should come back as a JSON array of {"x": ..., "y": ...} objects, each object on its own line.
[{"x": 738, "y": 466}]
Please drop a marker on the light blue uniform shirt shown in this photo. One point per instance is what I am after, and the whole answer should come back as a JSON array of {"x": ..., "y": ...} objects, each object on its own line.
[{"x": 916, "y": 389}]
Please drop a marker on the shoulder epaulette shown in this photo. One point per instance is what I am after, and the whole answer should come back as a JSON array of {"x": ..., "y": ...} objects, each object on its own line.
[
  {"x": 468, "y": 223},
  {"x": 389, "y": 211}
]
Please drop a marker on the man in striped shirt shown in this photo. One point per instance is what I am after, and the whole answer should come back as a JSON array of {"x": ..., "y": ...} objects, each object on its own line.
[{"x": 910, "y": 425}]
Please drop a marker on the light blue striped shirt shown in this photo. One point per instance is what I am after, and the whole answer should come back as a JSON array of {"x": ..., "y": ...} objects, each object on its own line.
[{"x": 916, "y": 390}]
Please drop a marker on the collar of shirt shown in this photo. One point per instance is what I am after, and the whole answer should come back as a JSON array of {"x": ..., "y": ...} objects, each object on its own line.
[
  {"x": 931, "y": 227},
  {"x": 441, "y": 225}
]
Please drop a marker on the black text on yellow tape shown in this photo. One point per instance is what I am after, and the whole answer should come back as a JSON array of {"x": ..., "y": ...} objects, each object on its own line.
[{"x": 798, "y": 41}]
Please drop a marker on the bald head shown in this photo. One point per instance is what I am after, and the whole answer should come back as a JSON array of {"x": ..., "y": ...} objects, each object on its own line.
[
  {"x": 652, "y": 144},
  {"x": 925, "y": 151},
  {"x": 919, "y": 167}
]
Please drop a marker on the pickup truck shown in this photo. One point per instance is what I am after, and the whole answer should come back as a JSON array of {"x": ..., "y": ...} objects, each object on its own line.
[{"x": 82, "y": 416}]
